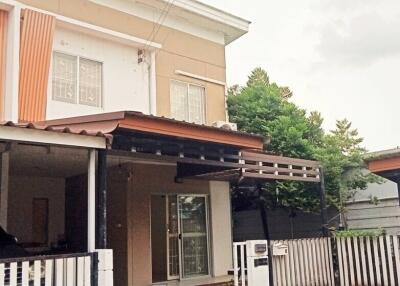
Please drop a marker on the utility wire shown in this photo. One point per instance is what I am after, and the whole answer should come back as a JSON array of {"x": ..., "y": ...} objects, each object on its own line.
[{"x": 157, "y": 25}]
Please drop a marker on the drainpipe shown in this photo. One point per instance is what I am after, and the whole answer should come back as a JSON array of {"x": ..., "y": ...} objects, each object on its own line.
[{"x": 152, "y": 84}]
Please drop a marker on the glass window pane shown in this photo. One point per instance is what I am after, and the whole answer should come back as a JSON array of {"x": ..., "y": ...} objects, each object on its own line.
[
  {"x": 90, "y": 82},
  {"x": 193, "y": 217},
  {"x": 178, "y": 97},
  {"x": 196, "y": 104},
  {"x": 64, "y": 77}
]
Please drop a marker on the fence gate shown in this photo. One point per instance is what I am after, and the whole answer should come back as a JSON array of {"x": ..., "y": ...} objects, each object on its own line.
[
  {"x": 369, "y": 260},
  {"x": 308, "y": 262}
]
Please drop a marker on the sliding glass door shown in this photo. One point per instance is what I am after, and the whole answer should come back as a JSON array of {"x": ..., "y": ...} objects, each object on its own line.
[
  {"x": 187, "y": 238},
  {"x": 194, "y": 235}
]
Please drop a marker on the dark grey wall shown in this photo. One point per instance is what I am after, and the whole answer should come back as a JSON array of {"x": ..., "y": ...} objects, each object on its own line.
[{"x": 248, "y": 225}]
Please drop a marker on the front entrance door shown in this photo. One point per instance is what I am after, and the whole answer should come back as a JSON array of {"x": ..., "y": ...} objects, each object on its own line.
[{"x": 187, "y": 241}]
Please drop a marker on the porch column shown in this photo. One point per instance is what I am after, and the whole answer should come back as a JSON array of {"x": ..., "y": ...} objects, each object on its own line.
[
  {"x": 101, "y": 197},
  {"x": 221, "y": 227},
  {"x": 91, "y": 237},
  {"x": 4, "y": 165}
]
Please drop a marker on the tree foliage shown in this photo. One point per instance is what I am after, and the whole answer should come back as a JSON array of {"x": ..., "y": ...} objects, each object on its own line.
[{"x": 264, "y": 108}]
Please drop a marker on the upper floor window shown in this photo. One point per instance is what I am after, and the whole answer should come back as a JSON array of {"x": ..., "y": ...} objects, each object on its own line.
[
  {"x": 76, "y": 80},
  {"x": 187, "y": 102}
]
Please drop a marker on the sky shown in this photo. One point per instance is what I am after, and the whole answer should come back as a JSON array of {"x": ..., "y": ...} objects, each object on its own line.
[{"x": 339, "y": 57}]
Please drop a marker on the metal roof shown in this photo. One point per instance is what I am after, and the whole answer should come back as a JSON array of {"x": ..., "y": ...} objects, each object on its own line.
[{"x": 49, "y": 128}]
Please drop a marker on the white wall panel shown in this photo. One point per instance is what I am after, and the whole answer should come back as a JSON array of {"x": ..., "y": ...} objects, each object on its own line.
[{"x": 125, "y": 82}]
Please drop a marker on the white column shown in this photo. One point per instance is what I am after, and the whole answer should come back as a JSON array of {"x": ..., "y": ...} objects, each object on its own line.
[
  {"x": 91, "y": 201},
  {"x": 12, "y": 65},
  {"x": 4, "y": 165},
  {"x": 221, "y": 227},
  {"x": 153, "y": 84}
]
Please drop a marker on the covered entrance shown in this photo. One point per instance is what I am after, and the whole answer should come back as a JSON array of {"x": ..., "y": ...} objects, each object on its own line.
[{"x": 168, "y": 195}]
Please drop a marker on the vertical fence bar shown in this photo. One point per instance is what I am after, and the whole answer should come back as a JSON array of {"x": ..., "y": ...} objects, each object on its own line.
[
  {"x": 88, "y": 270},
  {"x": 308, "y": 260},
  {"x": 363, "y": 261},
  {"x": 242, "y": 270},
  {"x": 383, "y": 259},
  {"x": 376, "y": 261},
  {"x": 297, "y": 262},
  {"x": 235, "y": 266},
  {"x": 370, "y": 262},
  {"x": 340, "y": 260},
  {"x": 59, "y": 272},
  {"x": 48, "y": 280},
  {"x": 287, "y": 268},
  {"x": 345, "y": 262},
  {"x": 302, "y": 254},
  {"x": 13, "y": 273},
  {"x": 397, "y": 257},
  {"x": 350, "y": 257},
  {"x": 331, "y": 270},
  {"x": 390, "y": 259},
  {"x": 37, "y": 265},
  {"x": 291, "y": 262},
  {"x": 2, "y": 274},
  {"x": 323, "y": 261},
  {"x": 357, "y": 260},
  {"x": 25, "y": 273}
]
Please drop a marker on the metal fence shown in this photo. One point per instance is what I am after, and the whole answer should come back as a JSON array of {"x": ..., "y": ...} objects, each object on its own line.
[
  {"x": 369, "y": 260},
  {"x": 54, "y": 270},
  {"x": 348, "y": 261},
  {"x": 308, "y": 262}
]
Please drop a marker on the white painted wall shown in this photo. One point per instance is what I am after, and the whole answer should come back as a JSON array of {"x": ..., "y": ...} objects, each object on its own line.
[
  {"x": 221, "y": 228},
  {"x": 125, "y": 82},
  {"x": 22, "y": 190}
]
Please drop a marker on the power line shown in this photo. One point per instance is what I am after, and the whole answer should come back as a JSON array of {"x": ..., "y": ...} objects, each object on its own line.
[{"x": 157, "y": 25}]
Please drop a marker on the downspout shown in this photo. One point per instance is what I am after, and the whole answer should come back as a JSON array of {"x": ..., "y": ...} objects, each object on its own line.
[{"x": 152, "y": 84}]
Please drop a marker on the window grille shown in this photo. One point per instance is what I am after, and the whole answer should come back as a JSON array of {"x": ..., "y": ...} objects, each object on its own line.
[
  {"x": 64, "y": 77},
  {"x": 187, "y": 102},
  {"x": 73, "y": 76}
]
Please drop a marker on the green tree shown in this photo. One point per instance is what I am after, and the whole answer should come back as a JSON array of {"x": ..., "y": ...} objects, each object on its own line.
[{"x": 263, "y": 108}]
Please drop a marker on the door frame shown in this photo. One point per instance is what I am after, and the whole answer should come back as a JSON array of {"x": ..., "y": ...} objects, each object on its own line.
[{"x": 167, "y": 197}]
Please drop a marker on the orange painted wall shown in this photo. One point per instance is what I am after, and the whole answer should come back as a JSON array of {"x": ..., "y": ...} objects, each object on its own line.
[
  {"x": 37, "y": 32},
  {"x": 3, "y": 39},
  {"x": 384, "y": 164}
]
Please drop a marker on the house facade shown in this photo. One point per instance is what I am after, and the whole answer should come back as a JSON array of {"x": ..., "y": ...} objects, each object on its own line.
[
  {"x": 378, "y": 206},
  {"x": 148, "y": 76}
]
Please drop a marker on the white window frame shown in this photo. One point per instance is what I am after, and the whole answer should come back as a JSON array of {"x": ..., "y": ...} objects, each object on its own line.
[
  {"x": 77, "y": 100},
  {"x": 188, "y": 84}
]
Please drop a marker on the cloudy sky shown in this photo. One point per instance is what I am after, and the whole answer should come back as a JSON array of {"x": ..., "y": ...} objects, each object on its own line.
[{"x": 340, "y": 57}]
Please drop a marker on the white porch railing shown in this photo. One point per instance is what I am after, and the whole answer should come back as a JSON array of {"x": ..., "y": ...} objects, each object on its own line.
[
  {"x": 239, "y": 263},
  {"x": 53, "y": 270}
]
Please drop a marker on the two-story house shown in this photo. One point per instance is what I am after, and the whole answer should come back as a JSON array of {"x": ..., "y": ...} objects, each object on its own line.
[{"x": 147, "y": 76}]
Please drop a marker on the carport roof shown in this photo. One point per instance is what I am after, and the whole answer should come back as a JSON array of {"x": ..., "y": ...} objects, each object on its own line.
[
  {"x": 46, "y": 134},
  {"x": 385, "y": 163},
  {"x": 109, "y": 123}
]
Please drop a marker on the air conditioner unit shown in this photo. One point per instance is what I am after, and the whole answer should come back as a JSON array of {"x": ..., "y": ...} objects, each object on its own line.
[{"x": 225, "y": 125}]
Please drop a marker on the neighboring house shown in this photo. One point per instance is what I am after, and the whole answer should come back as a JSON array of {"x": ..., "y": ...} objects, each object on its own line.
[
  {"x": 162, "y": 180},
  {"x": 378, "y": 206}
]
